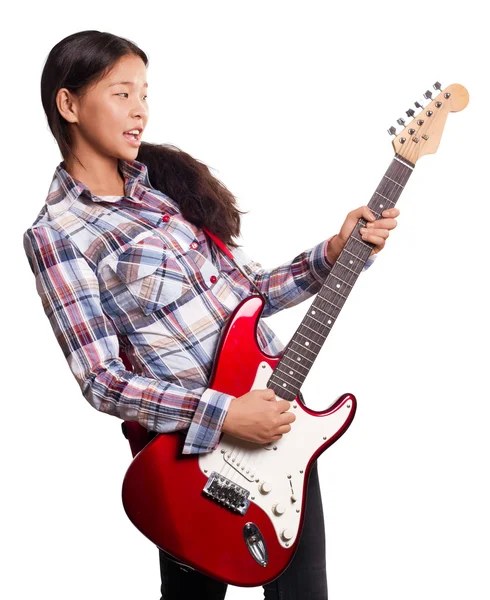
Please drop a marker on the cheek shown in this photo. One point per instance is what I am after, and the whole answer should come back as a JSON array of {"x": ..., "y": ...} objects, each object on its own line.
[{"x": 109, "y": 120}]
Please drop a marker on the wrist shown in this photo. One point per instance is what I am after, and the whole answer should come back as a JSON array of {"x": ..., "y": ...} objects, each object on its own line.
[{"x": 333, "y": 249}]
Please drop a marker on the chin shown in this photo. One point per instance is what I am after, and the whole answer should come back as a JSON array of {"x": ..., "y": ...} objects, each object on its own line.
[{"x": 129, "y": 154}]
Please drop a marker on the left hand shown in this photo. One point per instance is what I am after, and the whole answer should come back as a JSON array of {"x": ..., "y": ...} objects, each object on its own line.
[{"x": 375, "y": 232}]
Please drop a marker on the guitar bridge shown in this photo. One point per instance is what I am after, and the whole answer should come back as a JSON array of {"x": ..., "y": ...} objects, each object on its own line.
[{"x": 227, "y": 493}]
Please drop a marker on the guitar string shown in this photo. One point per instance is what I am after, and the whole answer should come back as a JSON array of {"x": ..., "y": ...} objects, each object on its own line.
[
  {"x": 397, "y": 169},
  {"x": 234, "y": 456}
]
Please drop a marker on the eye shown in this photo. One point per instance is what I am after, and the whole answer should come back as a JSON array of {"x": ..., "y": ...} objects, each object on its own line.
[{"x": 126, "y": 93}]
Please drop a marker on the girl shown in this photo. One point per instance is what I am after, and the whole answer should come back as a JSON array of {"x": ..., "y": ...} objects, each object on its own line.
[{"x": 123, "y": 263}]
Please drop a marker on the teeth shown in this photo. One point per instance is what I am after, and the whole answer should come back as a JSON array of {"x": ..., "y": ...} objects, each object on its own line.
[{"x": 134, "y": 131}]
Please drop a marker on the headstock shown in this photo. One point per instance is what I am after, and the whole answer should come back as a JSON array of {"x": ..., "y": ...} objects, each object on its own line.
[{"x": 422, "y": 135}]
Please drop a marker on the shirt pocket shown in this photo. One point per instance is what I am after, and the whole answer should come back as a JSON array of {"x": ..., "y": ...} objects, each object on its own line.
[{"x": 151, "y": 273}]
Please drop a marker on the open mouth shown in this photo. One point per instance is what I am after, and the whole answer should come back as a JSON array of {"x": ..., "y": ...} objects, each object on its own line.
[{"x": 133, "y": 135}]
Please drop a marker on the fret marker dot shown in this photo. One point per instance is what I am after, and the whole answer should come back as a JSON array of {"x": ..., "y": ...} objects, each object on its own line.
[
  {"x": 307, "y": 343},
  {"x": 298, "y": 359},
  {"x": 329, "y": 321},
  {"x": 338, "y": 285},
  {"x": 351, "y": 262},
  {"x": 313, "y": 312},
  {"x": 291, "y": 372},
  {"x": 284, "y": 384},
  {"x": 381, "y": 206}
]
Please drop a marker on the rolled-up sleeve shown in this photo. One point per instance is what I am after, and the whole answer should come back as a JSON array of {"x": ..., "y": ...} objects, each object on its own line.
[{"x": 293, "y": 281}]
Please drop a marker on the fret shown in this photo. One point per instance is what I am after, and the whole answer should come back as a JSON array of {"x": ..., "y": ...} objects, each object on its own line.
[
  {"x": 296, "y": 353},
  {"x": 394, "y": 181},
  {"x": 323, "y": 311},
  {"x": 351, "y": 253},
  {"x": 361, "y": 242},
  {"x": 308, "y": 340},
  {"x": 297, "y": 366},
  {"x": 389, "y": 200},
  {"x": 327, "y": 300},
  {"x": 317, "y": 320},
  {"x": 345, "y": 275},
  {"x": 320, "y": 334},
  {"x": 299, "y": 355},
  {"x": 346, "y": 267},
  {"x": 344, "y": 282},
  {"x": 289, "y": 376},
  {"x": 335, "y": 291},
  {"x": 375, "y": 213}
]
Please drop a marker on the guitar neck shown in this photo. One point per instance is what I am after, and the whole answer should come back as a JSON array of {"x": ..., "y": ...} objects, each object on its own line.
[{"x": 303, "y": 348}]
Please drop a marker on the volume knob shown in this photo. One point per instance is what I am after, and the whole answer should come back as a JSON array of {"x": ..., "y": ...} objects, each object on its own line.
[
  {"x": 264, "y": 488},
  {"x": 278, "y": 509},
  {"x": 286, "y": 534}
]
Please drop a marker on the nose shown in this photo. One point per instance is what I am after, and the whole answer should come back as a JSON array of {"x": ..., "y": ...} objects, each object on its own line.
[{"x": 140, "y": 110}]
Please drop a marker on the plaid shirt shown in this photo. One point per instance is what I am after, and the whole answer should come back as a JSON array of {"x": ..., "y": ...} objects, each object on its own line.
[{"x": 129, "y": 272}]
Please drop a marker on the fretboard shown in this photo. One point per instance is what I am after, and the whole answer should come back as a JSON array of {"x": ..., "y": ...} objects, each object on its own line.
[{"x": 303, "y": 348}]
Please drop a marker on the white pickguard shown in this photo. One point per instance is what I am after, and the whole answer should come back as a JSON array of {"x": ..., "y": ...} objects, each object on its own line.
[{"x": 280, "y": 466}]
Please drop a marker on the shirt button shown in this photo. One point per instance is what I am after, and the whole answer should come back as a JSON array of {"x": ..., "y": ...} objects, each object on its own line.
[
  {"x": 213, "y": 279},
  {"x": 194, "y": 245},
  {"x": 166, "y": 218}
]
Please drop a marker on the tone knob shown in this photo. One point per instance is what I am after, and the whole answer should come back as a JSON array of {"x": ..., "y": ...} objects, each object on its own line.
[
  {"x": 278, "y": 509},
  {"x": 286, "y": 534},
  {"x": 264, "y": 488}
]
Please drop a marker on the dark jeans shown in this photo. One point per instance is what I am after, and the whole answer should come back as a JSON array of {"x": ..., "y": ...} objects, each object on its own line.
[{"x": 304, "y": 579}]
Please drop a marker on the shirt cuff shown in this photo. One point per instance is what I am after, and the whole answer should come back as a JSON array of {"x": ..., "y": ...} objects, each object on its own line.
[
  {"x": 319, "y": 265},
  {"x": 205, "y": 429}
]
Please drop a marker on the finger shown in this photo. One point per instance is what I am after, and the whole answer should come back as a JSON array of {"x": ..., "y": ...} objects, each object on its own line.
[
  {"x": 283, "y": 405},
  {"x": 379, "y": 244},
  {"x": 366, "y": 213},
  {"x": 371, "y": 234},
  {"x": 391, "y": 212},
  {"x": 284, "y": 429},
  {"x": 287, "y": 417},
  {"x": 268, "y": 394},
  {"x": 383, "y": 224}
]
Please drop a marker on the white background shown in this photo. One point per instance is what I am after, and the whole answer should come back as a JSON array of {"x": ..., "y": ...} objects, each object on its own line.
[{"x": 289, "y": 104}]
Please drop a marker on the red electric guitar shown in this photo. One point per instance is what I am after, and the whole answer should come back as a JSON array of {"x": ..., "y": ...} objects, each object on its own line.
[{"x": 236, "y": 513}]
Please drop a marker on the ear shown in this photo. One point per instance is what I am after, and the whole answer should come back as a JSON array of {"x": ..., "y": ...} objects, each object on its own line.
[{"x": 67, "y": 105}]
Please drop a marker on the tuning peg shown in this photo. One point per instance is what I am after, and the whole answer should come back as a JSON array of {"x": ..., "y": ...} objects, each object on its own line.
[
  {"x": 392, "y": 130},
  {"x": 401, "y": 122},
  {"x": 428, "y": 95},
  {"x": 437, "y": 86},
  {"x": 418, "y": 105},
  {"x": 410, "y": 112}
]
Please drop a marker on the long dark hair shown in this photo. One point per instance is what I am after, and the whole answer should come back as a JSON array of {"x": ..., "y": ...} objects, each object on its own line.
[{"x": 81, "y": 60}]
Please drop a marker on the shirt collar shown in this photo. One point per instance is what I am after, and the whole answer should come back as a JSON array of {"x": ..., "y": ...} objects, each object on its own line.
[{"x": 65, "y": 189}]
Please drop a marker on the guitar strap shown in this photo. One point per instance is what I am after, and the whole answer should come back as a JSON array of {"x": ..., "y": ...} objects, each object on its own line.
[{"x": 228, "y": 253}]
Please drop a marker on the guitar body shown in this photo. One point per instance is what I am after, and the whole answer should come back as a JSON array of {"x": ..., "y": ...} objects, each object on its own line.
[{"x": 236, "y": 513}]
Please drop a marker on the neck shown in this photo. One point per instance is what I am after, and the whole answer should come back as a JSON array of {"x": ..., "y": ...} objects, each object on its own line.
[
  {"x": 99, "y": 173},
  {"x": 297, "y": 358}
]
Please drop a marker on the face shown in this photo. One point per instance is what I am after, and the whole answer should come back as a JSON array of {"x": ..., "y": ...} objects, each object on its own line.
[{"x": 115, "y": 105}]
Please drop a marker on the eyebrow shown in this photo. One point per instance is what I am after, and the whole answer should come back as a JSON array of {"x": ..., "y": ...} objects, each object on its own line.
[{"x": 125, "y": 83}]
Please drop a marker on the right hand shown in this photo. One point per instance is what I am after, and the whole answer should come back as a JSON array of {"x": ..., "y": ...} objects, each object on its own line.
[{"x": 258, "y": 417}]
